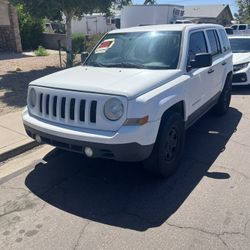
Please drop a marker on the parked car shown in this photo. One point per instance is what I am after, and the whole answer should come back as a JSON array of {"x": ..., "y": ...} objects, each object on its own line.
[
  {"x": 135, "y": 95},
  {"x": 241, "y": 29},
  {"x": 241, "y": 59}
]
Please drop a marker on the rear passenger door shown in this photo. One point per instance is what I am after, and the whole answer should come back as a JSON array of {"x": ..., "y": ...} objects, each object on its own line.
[{"x": 215, "y": 71}]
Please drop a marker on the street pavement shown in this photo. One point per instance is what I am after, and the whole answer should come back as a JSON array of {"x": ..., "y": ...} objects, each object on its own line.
[{"x": 68, "y": 202}]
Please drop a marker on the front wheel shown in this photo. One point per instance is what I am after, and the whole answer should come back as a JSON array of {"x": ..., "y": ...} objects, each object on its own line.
[
  {"x": 223, "y": 103},
  {"x": 169, "y": 146}
]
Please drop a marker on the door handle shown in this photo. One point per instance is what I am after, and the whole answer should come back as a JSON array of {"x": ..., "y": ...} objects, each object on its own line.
[
  {"x": 224, "y": 63},
  {"x": 210, "y": 71}
]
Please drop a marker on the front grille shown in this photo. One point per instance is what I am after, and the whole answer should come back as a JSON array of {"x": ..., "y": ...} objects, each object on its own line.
[
  {"x": 66, "y": 108},
  {"x": 74, "y": 108}
]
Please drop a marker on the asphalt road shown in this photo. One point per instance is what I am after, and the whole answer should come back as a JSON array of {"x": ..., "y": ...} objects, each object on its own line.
[{"x": 68, "y": 202}]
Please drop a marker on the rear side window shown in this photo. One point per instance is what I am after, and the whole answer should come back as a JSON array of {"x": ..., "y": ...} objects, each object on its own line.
[
  {"x": 225, "y": 42},
  {"x": 197, "y": 45},
  {"x": 242, "y": 27},
  {"x": 214, "y": 42}
]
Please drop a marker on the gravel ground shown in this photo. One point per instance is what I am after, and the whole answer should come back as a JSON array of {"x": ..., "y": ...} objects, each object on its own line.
[{"x": 16, "y": 71}]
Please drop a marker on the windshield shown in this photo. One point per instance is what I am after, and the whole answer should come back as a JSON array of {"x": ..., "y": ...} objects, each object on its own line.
[
  {"x": 240, "y": 45},
  {"x": 149, "y": 50}
]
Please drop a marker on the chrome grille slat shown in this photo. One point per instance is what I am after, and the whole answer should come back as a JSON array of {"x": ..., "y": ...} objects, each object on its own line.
[{"x": 77, "y": 110}]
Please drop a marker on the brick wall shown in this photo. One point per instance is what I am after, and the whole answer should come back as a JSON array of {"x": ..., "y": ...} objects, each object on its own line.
[{"x": 9, "y": 34}]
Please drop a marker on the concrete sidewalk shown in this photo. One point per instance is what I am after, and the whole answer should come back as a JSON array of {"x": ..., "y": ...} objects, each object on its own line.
[{"x": 13, "y": 138}]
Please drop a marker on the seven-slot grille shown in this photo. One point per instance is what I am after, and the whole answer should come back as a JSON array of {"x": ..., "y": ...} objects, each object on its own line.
[
  {"x": 74, "y": 108},
  {"x": 69, "y": 109}
]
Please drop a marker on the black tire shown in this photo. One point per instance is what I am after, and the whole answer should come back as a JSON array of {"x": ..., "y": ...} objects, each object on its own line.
[
  {"x": 223, "y": 103},
  {"x": 169, "y": 146}
]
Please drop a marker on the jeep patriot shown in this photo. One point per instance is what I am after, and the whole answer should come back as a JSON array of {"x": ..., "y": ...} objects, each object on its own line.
[{"x": 135, "y": 94}]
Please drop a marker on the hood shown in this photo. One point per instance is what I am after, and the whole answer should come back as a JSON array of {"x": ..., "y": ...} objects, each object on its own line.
[
  {"x": 239, "y": 58},
  {"x": 116, "y": 81}
]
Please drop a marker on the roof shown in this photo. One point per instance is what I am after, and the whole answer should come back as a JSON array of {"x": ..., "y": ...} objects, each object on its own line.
[
  {"x": 208, "y": 11},
  {"x": 164, "y": 27}
]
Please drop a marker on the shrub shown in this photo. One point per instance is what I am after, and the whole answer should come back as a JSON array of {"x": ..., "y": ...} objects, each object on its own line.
[
  {"x": 92, "y": 40},
  {"x": 31, "y": 28},
  {"x": 41, "y": 51},
  {"x": 78, "y": 43}
]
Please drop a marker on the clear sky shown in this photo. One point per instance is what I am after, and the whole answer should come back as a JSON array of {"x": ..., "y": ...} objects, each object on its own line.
[{"x": 232, "y": 3}]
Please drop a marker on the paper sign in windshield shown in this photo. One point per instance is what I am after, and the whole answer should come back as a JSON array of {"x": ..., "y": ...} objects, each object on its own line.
[{"x": 104, "y": 46}]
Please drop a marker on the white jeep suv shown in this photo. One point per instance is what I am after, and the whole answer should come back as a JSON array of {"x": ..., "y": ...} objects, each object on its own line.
[{"x": 135, "y": 95}]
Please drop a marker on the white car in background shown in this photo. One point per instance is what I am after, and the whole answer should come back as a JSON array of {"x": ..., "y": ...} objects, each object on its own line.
[{"x": 241, "y": 59}]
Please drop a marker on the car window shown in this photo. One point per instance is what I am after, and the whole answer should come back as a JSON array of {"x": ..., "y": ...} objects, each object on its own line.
[
  {"x": 150, "y": 50},
  {"x": 234, "y": 27},
  {"x": 214, "y": 43},
  {"x": 197, "y": 45},
  {"x": 240, "y": 45},
  {"x": 225, "y": 41},
  {"x": 242, "y": 27}
]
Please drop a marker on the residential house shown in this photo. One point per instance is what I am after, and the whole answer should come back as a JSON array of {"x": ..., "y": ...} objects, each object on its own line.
[{"x": 213, "y": 13}]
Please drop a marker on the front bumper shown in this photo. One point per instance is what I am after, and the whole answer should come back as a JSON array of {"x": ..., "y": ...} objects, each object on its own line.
[{"x": 129, "y": 143}]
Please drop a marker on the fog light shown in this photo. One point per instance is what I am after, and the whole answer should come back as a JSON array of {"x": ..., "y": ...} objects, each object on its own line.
[
  {"x": 88, "y": 151},
  {"x": 38, "y": 139}
]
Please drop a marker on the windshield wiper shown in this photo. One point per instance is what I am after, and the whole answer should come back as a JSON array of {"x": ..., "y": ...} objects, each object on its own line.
[
  {"x": 96, "y": 64},
  {"x": 126, "y": 65}
]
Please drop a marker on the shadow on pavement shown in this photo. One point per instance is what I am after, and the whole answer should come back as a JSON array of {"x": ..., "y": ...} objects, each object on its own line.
[
  {"x": 12, "y": 55},
  {"x": 15, "y": 85},
  {"x": 241, "y": 90},
  {"x": 122, "y": 194}
]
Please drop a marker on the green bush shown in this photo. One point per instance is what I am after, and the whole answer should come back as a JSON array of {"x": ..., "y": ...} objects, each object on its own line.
[
  {"x": 78, "y": 42},
  {"x": 31, "y": 28},
  {"x": 41, "y": 51},
  {"x": 92, "y": 40}
]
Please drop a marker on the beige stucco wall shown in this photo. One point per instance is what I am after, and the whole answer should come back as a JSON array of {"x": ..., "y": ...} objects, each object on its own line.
[{"x": 4, "y": 14}]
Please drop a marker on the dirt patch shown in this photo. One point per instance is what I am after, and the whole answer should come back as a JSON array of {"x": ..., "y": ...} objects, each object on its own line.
[{"x": 15, "y": 75}]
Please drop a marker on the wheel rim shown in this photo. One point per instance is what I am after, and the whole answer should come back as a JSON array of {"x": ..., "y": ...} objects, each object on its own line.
[{"x": 171, "y": 145}]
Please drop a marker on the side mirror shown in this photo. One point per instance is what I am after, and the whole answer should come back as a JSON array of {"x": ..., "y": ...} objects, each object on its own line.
[
  {"x": 84, "y": 56},
  {"x": 201, "y": 61}
]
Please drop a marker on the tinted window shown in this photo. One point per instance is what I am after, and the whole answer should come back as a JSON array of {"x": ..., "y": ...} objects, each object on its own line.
[
  {"x": 229, "y": 31},
  {"x": 197, "y": 45},
  {"x": 214, "y": 43},
  {"x": 225, "y": 41},
  {"x": 234, "y": 27},
  {"x": 242, "y": 27},
  {"x": 240, "y": 45}
]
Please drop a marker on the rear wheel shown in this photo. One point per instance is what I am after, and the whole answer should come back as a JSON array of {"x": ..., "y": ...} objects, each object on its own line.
[
  {"x": 222, "y": 106},
  {"x": 168, "y": 149}
]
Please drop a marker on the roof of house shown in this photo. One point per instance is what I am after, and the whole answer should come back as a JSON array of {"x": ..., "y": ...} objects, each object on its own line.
[{"x": 208, "y": 11}]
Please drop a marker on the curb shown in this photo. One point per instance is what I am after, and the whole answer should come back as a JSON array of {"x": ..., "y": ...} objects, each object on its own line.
[{"x": 18, "y": 150}]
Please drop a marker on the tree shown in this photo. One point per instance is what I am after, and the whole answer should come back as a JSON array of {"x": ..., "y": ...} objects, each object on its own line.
[
  {"x": 244, "y": 11},
  {"x": 54, "y": 9},
  {"x": 146, "y": 2}
]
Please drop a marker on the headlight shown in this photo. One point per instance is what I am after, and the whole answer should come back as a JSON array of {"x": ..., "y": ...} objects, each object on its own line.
[
  {"x": 113, "y": 109},
  {"x": 32, "y": 98},
  {"x": 238, "y": 67}
]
